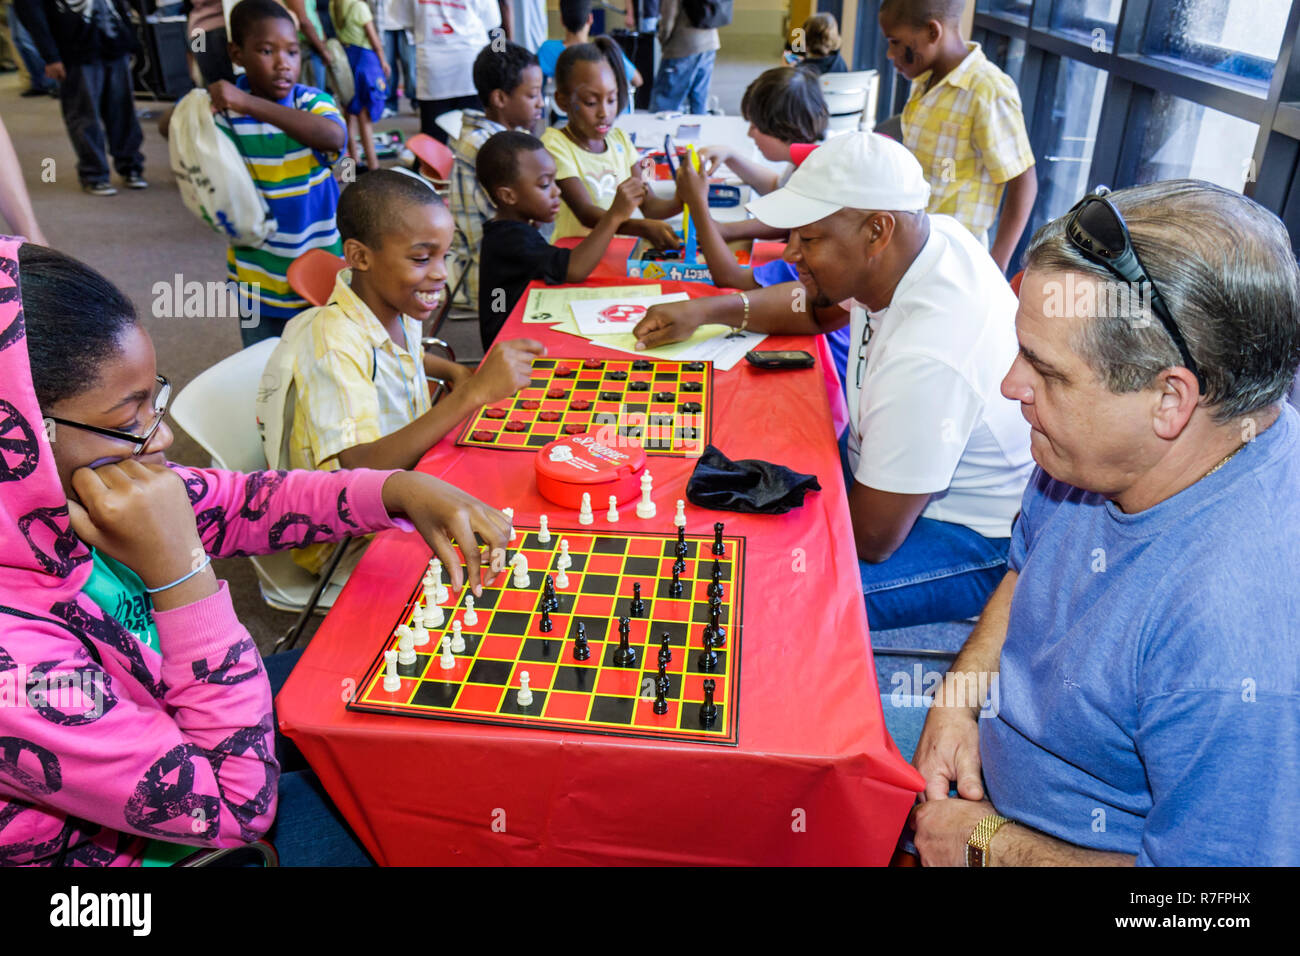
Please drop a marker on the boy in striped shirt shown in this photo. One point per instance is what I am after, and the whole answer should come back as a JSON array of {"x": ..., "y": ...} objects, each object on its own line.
[{"x": 290, "y": 135}]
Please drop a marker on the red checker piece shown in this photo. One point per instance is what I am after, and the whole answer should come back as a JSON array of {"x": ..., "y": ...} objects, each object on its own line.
[
  {"x": 482, "y": 435},
  {"x": 555, "y": 393},
  {"x": 494, "y": 413},
  {"x": 548, "y": 416},
  {"x": 592, "y": 363},
  {"x": 574, "y": 429},
  {"x": 580, "y": 405},
  {"x": 564, "y": 371},
  {"x": 516, "y": 426},
  {"x": 530, "y": 404}
]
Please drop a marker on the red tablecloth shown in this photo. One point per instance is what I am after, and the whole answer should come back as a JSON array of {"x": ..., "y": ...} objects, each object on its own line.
[{"x": 815, "y": 777}]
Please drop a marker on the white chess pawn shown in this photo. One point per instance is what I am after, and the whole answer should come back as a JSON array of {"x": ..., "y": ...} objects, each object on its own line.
[
  {"x": 448, "y": 660},
  {"x": 510, "y": 516},
  {"x": 679, "y": 519},
  {"x": 561, "y": 579},
  {"x": 457, "y": 639},
  {"x": 525, "y": 692},
  {"x": 521, "y": 579},
  {"x": 405, "y": 645},
  {"x": 612, "y": 515},
  {"x": 392, "y": 680},
  {"x": 471, "y": 615},
  {"x": 433, "y": 616},
  {"x": 584, "y": 513},
  {"x": 417, "y": 625},
  {"x": 543, "y": 530},
  {"x": 645, "y": 508},
  {"x": 563, "y": 562}
]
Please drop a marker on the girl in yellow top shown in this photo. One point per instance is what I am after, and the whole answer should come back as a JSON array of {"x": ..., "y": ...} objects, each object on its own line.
[
  {"x": 354, "y": 24},
  {"x": 591, "y": 156}
]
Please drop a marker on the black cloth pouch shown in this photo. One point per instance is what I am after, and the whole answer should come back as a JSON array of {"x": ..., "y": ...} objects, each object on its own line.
[{"x": 749, "y": 486}]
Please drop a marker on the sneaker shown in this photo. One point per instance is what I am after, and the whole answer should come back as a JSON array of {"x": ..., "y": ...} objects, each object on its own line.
[
  {"x": 99, "y": 189},
  {"x": 135, "y": 181},
  {"x": 35, "y": 91}
]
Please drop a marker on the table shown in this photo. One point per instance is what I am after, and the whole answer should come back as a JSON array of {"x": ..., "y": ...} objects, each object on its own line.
[{"x": 815, "y": 778}]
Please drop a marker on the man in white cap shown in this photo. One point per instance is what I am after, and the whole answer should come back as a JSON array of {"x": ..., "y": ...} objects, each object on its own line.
[{"x": 936, "y": 458}]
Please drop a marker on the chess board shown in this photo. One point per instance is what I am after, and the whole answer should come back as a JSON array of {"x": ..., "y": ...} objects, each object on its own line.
[
  {"x": 666, "y": 406},
  {"x": 592, "y": 696}
]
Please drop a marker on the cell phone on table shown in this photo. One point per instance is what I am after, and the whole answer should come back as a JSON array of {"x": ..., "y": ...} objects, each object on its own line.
[{"x": 779, "y": 360}]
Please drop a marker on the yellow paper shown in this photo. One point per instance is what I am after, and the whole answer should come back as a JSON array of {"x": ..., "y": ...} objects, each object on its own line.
[{"x": 554, "y": 303}]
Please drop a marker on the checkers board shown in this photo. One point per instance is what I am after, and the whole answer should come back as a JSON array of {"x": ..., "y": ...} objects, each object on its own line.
[
  {"x": 666, "y": 406},
  {"x": 592, "y": 696}
]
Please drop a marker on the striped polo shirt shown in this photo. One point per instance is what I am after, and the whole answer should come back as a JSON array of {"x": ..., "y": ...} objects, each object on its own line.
[{"x": 300, "y": 191}]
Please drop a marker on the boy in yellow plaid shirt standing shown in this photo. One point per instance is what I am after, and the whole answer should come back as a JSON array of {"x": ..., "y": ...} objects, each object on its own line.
[{"x": 963, "y": 122}]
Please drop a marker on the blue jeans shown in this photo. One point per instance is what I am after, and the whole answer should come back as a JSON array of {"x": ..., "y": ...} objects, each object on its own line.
[
  {"x": 401, "y": 59},
  {"x": 31, "y": 57},
  {"x": 683, "y": 80},
  {"x": 941, "y": 572},
  {"x": 308, "y": 829}
]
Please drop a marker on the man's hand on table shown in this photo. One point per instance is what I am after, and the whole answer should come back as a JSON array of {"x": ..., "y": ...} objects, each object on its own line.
[
  {"x": 670, "y": 322},
  {"x": 943, "y": 827},
  {"x": 444, "y": 514},
  {"x": 506, "y": 370}
]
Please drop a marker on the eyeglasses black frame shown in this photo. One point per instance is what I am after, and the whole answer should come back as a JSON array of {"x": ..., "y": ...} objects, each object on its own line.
[{"x": 140, "y": 442}]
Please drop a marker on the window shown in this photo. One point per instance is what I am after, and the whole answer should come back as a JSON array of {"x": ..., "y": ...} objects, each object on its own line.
[
  {"x": 1019, "y": 9},
  {"x": 1091, "y": 18},
  {"x": 1071, "y": 117},
  {"x": 1006, "y": 53},
  {"x": 1187, "y": 140},
  {"x": 1237, "y": 37}
]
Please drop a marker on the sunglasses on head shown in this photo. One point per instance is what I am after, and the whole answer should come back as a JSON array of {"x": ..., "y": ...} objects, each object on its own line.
[{"x": 1095, "y": 227}]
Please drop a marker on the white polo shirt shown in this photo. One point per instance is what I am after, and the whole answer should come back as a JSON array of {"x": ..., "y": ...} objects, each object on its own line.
[
  {"x": 449, "y": 34},
  {"x": 926, "y": 415}
]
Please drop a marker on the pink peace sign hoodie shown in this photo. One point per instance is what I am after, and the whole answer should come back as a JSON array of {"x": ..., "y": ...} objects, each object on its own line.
[{"x": 105, "y": 743}]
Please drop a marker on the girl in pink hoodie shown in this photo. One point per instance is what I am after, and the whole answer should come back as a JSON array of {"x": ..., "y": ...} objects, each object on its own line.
[{"x": 134, "y": 707}]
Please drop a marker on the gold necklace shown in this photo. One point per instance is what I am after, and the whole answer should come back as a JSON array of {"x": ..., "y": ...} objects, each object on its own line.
[{"x": 1226, "y": 459}]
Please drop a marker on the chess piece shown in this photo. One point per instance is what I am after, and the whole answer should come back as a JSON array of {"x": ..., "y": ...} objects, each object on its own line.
[
  {"x": 448, "y": 660},
  {"x": 625, "y": 654},
  {"x": 675, "y": 589},
  {"x": 525, "y": 692},
  {"x": 681, "y": 549},
  {"x": 457, "y": 639},
  {"x": 520, "y": 565},
  {"x": 717, "y": 633},
  {"x": 405, "y": 645},
  {"x": 645, "y": 508},
  {"x": 584, "y": 513},
  {"x": 550, "y": 600},
  {"x": 546, "y": 625},
  {"x": 417, "y": 625},
  {"x": 433, "y": 616},
  {"x": 679, "y": 519},
  {"x": 510, "y": 516},
  {"x": 637, "y": 607},
  {"x": 581, "y": 648},
  {"x": 392, "y": 680},
  {"x": 561, "y": 579},
  {"x": 435, "y": 569},
  {"x": 718, "y": 547},
  {"x": 543, "y": 530},
  {"x": 715, "y": 591},
  {"x": 708, "y": 709},
  {"x": 564, "y": 562},
  {"x": 709, "y": 658},
  {"x": 661, "y": 692},
  {"x": 612, "y": 515},
  {"x": 471, "y": 615},
  {"x": 665, "y": 649}
]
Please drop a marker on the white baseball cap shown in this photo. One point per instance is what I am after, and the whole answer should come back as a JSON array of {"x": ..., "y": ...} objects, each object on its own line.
[{"x": 850, "y": 171}]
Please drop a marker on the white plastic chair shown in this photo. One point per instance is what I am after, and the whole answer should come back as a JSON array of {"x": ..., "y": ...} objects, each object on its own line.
[
  {"x": 850, "y": 98},
  {"x": 217, "y": 411}
]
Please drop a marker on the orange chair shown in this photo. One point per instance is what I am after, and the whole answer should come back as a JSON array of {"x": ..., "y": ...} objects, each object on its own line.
[
  {"x": 1015, "y": 282},
  {"x": 436, "y": 160},
  {"x": 312, "y": 275}
]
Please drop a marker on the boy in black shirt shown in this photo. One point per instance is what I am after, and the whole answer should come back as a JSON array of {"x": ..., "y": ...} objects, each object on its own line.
[{"x": 519, "y": 176}]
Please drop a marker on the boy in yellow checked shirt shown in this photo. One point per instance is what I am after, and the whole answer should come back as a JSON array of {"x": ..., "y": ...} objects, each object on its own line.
[{"x": 962, "y": 122}]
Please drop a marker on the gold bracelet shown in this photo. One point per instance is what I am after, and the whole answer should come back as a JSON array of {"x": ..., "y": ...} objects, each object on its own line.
[
  {"x": 977, "y": 845},
  {"x": 744, "y": 322}
]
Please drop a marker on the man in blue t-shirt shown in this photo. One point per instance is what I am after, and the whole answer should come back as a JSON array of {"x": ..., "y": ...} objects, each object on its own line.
[{"x": 1141, "y": 658}]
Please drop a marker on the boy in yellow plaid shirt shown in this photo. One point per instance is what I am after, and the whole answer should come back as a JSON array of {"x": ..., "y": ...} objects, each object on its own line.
[{"x": 963, "y": 122}]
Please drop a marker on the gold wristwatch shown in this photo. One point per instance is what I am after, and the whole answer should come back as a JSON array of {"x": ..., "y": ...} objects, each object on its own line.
[{"x": 977, "y": 845}]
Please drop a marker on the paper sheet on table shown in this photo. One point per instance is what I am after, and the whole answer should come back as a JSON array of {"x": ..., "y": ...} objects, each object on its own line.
[
  {"x": 552, "y": 305},
  {"x": 710, "y": 343},
  {"x": 616, "y": 315}
]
